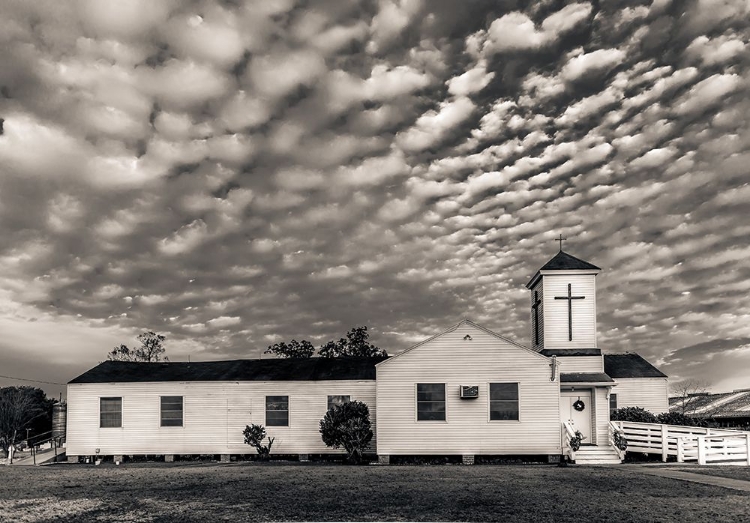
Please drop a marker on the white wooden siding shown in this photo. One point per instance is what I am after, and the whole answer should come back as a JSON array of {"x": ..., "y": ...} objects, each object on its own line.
[
  {"x": 214, "y": 415},
  {"x": 556, "y": 311},
  {"x": 601, "y": 416},
  {"x": 648, "y": 393},
  {"x": 581, "y": 363},
  {"x": 540, "y": 289},
  {"x": 467, "y": 429}
]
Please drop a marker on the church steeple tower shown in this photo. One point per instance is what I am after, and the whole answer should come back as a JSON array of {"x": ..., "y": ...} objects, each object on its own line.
[{"x": 563, "y": 304}]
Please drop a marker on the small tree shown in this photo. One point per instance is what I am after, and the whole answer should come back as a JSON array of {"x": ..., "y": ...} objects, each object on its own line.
[
  {"x": 348, "y": 426},
  {"x": 151, "y": 349},
  {"x": 293, "y": 349},
  {"x": 23, "y": 408},
  {"x": 690, "y": 393},
  {"x": 354, "y": 345},
  {"x": 254, "y": 436}
]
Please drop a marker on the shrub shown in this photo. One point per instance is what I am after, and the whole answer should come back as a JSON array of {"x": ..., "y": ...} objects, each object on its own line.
[
  {"x": 254, "y": 436},
  {"x": 621, "y": 441},
  {"x": 634, "y": 414},
  {"x": 575, "y": 441},
  {"x": 347, "y": 426},
  {"x": 677, "y": 418}
]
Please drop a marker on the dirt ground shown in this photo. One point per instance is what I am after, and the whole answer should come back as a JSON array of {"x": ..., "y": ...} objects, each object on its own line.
[{"x": 319, "y": 492}]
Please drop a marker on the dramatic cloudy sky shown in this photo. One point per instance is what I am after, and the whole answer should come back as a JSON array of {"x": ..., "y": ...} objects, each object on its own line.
[{"x": 235, "y": 173}]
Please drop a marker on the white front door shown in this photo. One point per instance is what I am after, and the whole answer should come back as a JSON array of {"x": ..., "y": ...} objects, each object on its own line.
[{"x": 580, "y": 419}]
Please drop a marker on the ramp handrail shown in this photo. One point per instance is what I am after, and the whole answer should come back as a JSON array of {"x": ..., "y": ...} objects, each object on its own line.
[{"x": 686, "y": 443}]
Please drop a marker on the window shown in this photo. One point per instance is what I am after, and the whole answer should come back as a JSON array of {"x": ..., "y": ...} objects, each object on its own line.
[
  {"x": 337, "y": 400},
  {"x": 277, "y": 411},
  {"x": 503, "y": 401},
  {"x": 431, "y": 401},
  {"x": 110, "y": 412},
  {"x": 171, "y": 411},
  {"x": 612, "y": 403}
]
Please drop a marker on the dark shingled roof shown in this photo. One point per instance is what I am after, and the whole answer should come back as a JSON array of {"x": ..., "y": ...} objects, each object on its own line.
[
  {"x": 278, "y": 369},
  {"x": 630, "y": 366},
  {"x": 564, "y": 262},
  {"x": 585, "y": 377}
]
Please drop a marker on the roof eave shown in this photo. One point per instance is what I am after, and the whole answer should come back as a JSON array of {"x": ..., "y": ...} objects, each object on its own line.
[
  {"x": 588, "y": 383},
  {"x": 550, "y": 272}
]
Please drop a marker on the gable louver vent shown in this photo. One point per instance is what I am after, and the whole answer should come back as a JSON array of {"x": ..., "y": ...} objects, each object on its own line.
[{"x": 469, "y": 391}]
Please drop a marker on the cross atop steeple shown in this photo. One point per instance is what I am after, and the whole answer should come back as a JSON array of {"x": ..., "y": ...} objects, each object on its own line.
[{"x": 560, "y": 239}]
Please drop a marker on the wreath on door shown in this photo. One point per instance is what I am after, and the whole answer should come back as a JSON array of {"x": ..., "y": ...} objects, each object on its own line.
[{"x": 579, "y": 405}]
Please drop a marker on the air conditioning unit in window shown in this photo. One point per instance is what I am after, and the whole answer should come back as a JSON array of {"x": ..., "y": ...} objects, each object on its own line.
[{"x": 469, "y": 391}]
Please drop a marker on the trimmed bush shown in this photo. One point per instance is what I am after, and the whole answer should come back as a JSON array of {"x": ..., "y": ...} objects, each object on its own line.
[
  {"x": 677, "y": 418},
  {"x": 634, "y": 414},
  {"x": 347, "y": 426}
]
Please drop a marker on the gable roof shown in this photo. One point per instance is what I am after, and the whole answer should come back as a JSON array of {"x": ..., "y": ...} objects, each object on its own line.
[
  {"x": 630, "y": 365},
  {"x": 456, "y": 326},
  {"x": 275, "y": 369},
  {"x": 562, "y": 261}
]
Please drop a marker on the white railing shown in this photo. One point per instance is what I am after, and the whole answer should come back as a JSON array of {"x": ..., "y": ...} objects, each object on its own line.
[
  {"x": 704, "y": 445},
  {"x": 568, "y": 433},
  {"x": 613, "y": 430}
]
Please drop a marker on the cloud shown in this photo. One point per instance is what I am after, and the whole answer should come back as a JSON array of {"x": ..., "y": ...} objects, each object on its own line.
[
  {"x": 517, "y": 32},
  {"x": 434, "y": 126},
  {"x": 470, "y": 82},
  {"x": 707, "y": 93},
  {"x": 392, "y": 19},
  {"x": 213, "y": 37},
  {"x": 276, "y": 75},
  {"x": 595, "y": 62},
  {"x": 186, "y": 239},
  {"x": 123, "y": 19},
  {"x": 183, "y": 84},
  {"x": 715, "y": 51}
]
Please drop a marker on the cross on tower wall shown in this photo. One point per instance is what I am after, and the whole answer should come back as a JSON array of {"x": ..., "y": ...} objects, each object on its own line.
[{"x": 568, "y": 316}]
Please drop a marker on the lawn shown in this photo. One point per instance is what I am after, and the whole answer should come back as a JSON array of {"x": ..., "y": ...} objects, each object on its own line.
[{"x": 293, "y": 491}]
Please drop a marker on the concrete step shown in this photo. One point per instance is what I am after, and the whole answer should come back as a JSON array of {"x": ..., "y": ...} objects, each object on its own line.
[
  {"x": 605, "y": 452},
  {"x": 593, "y": 455},
  {"x": 607, "y": 461}
]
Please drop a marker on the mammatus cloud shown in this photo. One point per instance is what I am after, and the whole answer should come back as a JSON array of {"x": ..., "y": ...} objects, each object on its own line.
[{"x": 236, "y": 174}]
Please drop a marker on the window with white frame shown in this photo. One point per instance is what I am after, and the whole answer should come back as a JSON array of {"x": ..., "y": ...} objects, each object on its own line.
[
  {"x": 430, "y": 401},
  {"x": 171, "y": 411},
  {"x": 277, "y": 411},
  {"x": 110, "y": 412},
  {"x": 337, "y": 400},
  {"x": 503, "y": 401}
]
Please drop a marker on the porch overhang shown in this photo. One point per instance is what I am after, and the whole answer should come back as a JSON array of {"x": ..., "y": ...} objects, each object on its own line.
[{"x": 586, "y": 379}]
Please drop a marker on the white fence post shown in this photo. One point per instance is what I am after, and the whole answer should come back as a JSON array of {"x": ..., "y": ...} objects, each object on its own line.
[
  {"x": 747, "y": 447},
  {"x": 664, "y": 442},
  {"x": 701, "y": 450},
  {"x": 680, "y": 450}
]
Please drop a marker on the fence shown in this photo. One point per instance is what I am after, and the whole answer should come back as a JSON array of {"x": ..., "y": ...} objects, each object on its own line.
[{"x": 704, "y": 445}]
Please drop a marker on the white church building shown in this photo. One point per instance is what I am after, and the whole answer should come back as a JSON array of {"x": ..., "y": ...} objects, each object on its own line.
[{"x": 466, "y": 391}]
